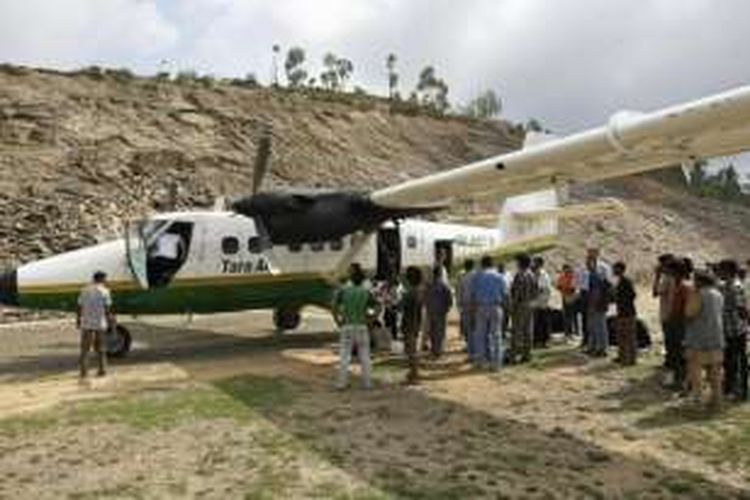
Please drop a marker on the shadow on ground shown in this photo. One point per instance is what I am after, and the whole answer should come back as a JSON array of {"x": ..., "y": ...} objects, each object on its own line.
[
  {"x": 161, "y": 344},
  {"x": 411, "y": 445}
]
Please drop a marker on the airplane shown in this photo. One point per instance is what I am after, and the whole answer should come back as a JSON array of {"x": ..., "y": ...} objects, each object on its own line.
[{"x": 286, "y": 250}]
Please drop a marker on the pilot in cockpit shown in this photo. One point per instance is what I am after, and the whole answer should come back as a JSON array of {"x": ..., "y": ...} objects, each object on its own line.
[
  {"x": 164, "y": 258},
  {"x": 167, "y": 246}
]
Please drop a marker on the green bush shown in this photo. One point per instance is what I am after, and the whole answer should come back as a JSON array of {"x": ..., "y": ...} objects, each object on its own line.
[
  {"x": 93, "y": 72},
  {"x": 120, "y": 74},
  {"x": 186, "y": 76}
]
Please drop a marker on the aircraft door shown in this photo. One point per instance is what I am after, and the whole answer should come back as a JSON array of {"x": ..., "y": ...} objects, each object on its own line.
[
  {"x": 388, "y": 254},
  {"x": 444, "y": 254},
  {"x": 168, "y": 251}
]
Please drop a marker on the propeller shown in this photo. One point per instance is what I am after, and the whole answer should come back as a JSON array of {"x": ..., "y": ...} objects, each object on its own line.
[{"x": 262, "y": 159}]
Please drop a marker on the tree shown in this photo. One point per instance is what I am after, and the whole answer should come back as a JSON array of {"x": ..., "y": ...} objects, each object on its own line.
[
  {"x": 441, "y": 97},
  {"x": 723, "y": 185},
  {"x": 330, "y": 76},
  {"x": 390, "y": 63},
  {"x": 432, "y": 91},
  {"x": 336, "y": 72},
  {"x": 344, "y": 68},
  {"x": 534, "y": 125},
  {"x": 295, "y": 73},
  {"x": 732, "y": 188},
  {"x": 485, "y": 105},
  {"x": 426, "y": 81},
  {"x": 275, "y": 64}
]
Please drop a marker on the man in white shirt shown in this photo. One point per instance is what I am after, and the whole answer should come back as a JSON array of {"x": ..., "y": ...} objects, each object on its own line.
[
  {"x": 164, "y": 258},
  {"x": 540, "y": 304},
  {"x": 168, "y": 246},
  {"x": 94, "y": 319}
]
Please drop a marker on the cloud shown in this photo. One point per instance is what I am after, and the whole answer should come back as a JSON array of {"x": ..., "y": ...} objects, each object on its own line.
[{"x": 75, "y": 33}]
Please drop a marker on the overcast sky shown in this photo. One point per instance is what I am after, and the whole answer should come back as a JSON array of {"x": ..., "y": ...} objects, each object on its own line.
[{"x": 569, "y": 63}]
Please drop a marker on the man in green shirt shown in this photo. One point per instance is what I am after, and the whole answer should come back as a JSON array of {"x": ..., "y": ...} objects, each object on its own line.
[{"x": 353, "y": 306}]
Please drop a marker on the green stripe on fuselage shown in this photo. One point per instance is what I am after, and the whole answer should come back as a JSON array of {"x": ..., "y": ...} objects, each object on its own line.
[
  {"x": 203, "y": 298},
  {"x": 223, "y": 293}
]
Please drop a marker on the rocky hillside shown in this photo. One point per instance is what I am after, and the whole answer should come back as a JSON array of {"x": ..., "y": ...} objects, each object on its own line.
[
  {"x": 658, "y": 219},
  {"x": 80, "y": 151}
]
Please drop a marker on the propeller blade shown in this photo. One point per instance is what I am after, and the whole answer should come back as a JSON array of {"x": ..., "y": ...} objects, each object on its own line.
[{"x": 262, "y": 159}]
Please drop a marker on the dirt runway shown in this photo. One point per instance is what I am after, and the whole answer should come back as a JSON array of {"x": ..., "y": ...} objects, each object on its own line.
[{"x": 221, "y": 408}]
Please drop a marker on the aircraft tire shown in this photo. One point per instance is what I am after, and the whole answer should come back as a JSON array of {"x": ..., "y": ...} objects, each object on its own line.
[
  {"x": 286, "y": 319},
  {"x": 118, "y": 342}
]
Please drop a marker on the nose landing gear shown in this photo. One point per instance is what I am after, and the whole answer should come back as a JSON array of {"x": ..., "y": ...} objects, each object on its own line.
[
  {"x": 117, "y": 342},
  {"x": 286, "y": 319}
]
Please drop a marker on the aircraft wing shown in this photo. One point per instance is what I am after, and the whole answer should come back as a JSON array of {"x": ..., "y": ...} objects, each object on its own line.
[{"x": 629, "y": 143}]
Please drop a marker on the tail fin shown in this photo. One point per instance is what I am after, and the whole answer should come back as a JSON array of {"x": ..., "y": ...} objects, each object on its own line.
[
  {"x": 529, "y": 217},
  {"x": 515, "y": 224}
]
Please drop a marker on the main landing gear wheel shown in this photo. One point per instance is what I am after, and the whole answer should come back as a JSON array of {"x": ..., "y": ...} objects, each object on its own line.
[
  {"x": 286, "y": 319},
  {"x": 117, "y": 342}
]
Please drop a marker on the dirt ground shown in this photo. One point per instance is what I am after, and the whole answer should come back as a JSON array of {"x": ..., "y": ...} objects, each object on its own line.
[{"x": 219, "y": 408}]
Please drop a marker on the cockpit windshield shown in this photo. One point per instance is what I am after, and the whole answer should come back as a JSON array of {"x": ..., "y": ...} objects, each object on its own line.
[{"x": 150, "y": 229}]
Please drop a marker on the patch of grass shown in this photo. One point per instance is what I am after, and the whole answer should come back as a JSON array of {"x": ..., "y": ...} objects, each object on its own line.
[
  {"x": 16, "y": 426},
  {"x": 720, "y": 441},
  {"x": 237, "y": 398},
  {"x": 161, "y": 410},
  {"x": 395, "y": 481},
  {"x": 260, "y": 393}
]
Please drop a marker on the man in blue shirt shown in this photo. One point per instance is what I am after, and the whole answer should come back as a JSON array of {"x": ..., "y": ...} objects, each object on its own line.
[{"x": 489, "y": 291}]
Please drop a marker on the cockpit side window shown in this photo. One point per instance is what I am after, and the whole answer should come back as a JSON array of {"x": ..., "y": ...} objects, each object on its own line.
[
  {"x": 337, "y": 245},
  {"x": 230, "y": 245},
  {"x": 254, "y": 245},
  {"x": 149, "y": 230}
]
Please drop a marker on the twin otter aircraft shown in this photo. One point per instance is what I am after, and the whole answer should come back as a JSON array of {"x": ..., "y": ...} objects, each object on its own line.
[{"x": 284, "y": 251}]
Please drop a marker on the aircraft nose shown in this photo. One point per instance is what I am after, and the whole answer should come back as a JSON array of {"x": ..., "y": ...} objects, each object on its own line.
[{"x": 9, "y": 288}]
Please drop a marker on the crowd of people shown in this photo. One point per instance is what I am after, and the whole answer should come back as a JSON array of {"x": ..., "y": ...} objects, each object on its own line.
[
  {"x": 504, "y": 317},
  {"x": 704, "y": 319}
]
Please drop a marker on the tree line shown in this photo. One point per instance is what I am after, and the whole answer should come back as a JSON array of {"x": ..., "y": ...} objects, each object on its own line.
[
  {"x": 431, "y": 90},
  {"x": 291, "y": 71},
  {"x": 724, "y": 184}
]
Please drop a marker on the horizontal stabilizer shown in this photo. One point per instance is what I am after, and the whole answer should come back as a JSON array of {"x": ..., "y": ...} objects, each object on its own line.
[{"x": 607, "y": 206}]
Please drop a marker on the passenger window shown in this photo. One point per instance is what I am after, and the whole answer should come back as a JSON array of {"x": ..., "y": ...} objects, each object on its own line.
[
  {"x": 295, "y": 247},
  {"x": 337, "y": 245},
  {"x": 230, "y": 245},
  {"x": 317, "y": 246},
  {"x": 411, "y": 241},
  {"x": 254, "y": 245}
]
